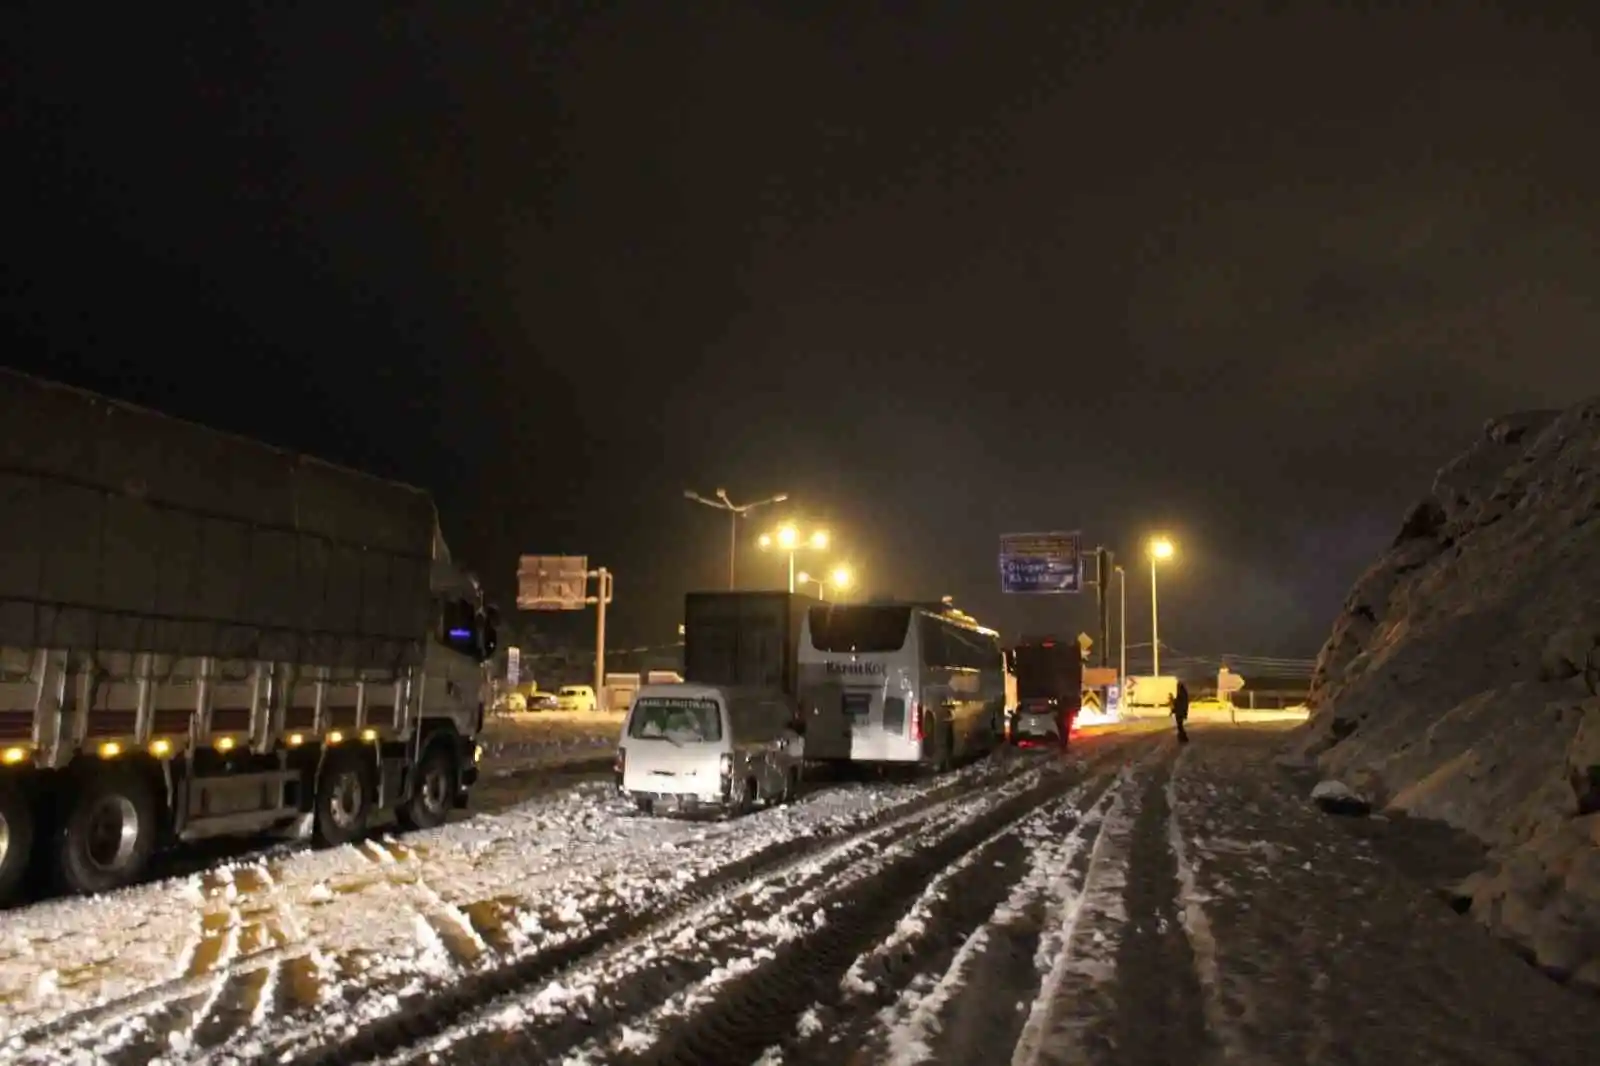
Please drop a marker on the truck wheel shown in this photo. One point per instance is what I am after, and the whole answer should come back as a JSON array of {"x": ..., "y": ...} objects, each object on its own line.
[
  {"x": 16, "y": 842},
  {"x": 434, "y": 790},
  {"x": 344, "y": 800},
  {"x": 109, "y": 833}
]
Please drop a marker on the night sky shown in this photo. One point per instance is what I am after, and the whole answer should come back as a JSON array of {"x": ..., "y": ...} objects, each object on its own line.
[{"x": 940, "y": 271}]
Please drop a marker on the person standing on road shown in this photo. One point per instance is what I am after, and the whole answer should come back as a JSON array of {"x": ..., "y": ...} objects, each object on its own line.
[{"x": 1180, "y": 711}]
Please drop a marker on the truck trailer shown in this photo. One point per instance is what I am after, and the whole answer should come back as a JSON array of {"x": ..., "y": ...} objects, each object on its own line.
[{"x": 203, "y": 636}]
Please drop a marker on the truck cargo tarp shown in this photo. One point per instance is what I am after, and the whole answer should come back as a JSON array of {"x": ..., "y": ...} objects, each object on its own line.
[
  {"x": 124, "y": 530},
  {"x": 743, "y": 638}
]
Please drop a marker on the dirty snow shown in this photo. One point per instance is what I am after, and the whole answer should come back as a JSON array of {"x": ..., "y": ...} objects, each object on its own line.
[{"x": 390, "y": 916}]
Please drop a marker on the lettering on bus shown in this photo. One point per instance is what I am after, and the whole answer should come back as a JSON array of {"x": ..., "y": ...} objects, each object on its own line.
[{"x": 857, "y": 668}]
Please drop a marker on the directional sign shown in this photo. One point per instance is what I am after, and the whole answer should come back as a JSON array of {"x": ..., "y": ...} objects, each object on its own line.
[
  {"x": 1085, "y": 642},
  {"x": 1099, "y": 676},
  {"x": 1041, "y": 563},
  {"x": 1228, "y": 682},
  {"x": 553, "y": 583}
]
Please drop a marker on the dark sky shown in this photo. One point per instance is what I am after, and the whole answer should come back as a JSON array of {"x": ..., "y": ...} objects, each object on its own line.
[{"x": 938, "y": 270}]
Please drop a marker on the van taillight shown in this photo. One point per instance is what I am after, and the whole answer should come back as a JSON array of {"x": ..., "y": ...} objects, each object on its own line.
[
  {"x": 622, "y": 760},
  {"x": 727, "y": 766},
  {"x": 916, "y": 721}
]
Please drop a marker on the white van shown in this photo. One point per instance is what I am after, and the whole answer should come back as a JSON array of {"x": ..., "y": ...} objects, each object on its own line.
[{"x": 693, "y": 747}]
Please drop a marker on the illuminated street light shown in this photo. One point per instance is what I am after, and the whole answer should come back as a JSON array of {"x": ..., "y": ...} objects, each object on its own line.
[
  {"x": 839, "y": 579},
  {"x": 787, "y": 539},
  {"x": 1160, "y": 548},
  {"x": 735, "y": 511}
]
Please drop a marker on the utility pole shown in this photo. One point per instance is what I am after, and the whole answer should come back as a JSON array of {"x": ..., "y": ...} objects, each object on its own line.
[
  {"x": 1103, "y": 563},
  {"x": 604, "y": 584}
]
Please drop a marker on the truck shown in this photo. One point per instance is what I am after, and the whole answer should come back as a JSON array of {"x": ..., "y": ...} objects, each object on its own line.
[
  {"x": 743, "y": 639},
  {"x": 203, "y": 635},
  {"x": 1049, "y": 687}
]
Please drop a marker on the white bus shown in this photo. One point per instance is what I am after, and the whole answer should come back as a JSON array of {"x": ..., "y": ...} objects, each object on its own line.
[{"x": 899, "y": 683}]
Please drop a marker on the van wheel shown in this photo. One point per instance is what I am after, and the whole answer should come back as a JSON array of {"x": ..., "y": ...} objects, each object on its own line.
[
  {"x": 646, "y": 805},
  {"x": 434, "y": 789},
  {"x": 751, "y": 796},
  {"x": 791, "y": 786},
  {"x": 16, "y": 842},
  {"x": 344, "y": 800},
  {"x": 109, "y": 834}
]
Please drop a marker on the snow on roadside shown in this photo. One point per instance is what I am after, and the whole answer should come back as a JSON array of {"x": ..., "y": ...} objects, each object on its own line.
[
  {"x": 793, "y": 921},
  {"x": 1063, "y": 955},
  {"x": 515, "y": 743},
  {"x": 907, "y": 1026},
  {"x": 1196, "y": 926},
  {"x": 551, "y": 861}
]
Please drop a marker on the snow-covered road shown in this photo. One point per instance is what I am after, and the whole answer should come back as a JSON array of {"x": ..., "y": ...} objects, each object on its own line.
[{"x": 1130, "y": 904}]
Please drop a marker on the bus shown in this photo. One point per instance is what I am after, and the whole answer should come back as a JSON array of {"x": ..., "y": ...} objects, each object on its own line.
[{"x": 899, "y": 683}]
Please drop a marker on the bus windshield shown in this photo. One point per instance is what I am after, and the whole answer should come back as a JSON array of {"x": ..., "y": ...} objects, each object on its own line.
[{"x": 867, "y": 629}]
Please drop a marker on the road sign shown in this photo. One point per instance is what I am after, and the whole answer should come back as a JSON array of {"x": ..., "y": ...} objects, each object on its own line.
[
  {"x": 1085, "y": 642},
  {"x": 1041, "y": 563},
  {"x": 1228, "y": 682},
  {"x": 1114, "y": 700},
  {"x": 1090, "y": 701},
  {"x": 1099, "y": 676},
  {"x": 513, "y": 666},
  {"x": 553, "y": 583}
]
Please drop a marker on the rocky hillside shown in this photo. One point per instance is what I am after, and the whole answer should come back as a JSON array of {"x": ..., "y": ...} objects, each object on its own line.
[{"x": 1460, "y": 680}]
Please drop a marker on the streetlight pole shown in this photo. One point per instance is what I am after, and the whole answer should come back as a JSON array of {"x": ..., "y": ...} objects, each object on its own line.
[
  {"x": 1122, "y": 629},
  {"x": 788, "y": 540},
  {"x": 1160, "y": 548},
  {"x": 735, "y": 511}
]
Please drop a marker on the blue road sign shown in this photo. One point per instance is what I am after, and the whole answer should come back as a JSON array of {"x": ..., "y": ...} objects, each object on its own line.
[{"x": 1041, "y": 563}]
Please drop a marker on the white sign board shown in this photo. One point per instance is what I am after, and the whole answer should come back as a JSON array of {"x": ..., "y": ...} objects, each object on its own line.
[
  {"x": 513, "y": 666},
  {"x": 1228, "y": 682},
  {"x": 553, "y": 583}
]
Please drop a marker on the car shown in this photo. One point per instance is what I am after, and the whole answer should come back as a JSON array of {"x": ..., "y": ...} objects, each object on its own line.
[
  {"x": 576, "y": 698},
  {"x": 1039, "y": 724},
  {"x": 543, "y": 701},
  {"x": 693, "y": 748}
]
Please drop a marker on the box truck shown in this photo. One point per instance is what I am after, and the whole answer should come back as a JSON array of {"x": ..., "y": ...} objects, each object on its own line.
[{"x": 202, "y": 635}]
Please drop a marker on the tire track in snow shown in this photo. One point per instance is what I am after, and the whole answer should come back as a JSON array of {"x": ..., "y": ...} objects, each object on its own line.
[
  {"x": 373, "y": 1028},
  {"x": 739, "y": 1019},
  {"x": 643, "y": 978}
]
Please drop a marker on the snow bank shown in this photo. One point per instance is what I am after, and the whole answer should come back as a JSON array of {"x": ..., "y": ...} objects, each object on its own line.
[{"x": 1460, "y": 681}]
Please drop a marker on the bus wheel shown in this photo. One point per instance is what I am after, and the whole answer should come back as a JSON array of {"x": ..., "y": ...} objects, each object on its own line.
[
  {"x": 344, "y": 799},
  {"x": 109, "y": 833},
  {"x": 429, "y": 804},
  {"x": 16, "y": 841}
]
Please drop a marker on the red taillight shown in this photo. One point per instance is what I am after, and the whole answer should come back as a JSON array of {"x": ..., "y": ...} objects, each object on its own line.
[
  {"x": 916, "y": 721},
  {"x": 622, "y": 760}
]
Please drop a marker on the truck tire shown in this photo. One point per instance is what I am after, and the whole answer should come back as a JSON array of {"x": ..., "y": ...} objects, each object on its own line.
[
  {"x": 109, "y": 832},
  {"x": 344, "y": 799},
  {"x": 16, "y": 842},
  {"x": 434, "y": 790}
]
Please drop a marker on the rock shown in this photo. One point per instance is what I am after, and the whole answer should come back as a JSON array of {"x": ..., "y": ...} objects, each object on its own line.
[
  {"x": 1336, "y": 797},
  {"x": 1459, "y": 682}
]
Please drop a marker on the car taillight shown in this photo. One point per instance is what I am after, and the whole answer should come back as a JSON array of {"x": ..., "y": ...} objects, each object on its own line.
[
  {"x": 622, "y": 760},
  {"x": 916, "y": 721}
]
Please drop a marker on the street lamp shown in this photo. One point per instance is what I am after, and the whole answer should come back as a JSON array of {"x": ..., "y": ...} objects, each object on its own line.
[
  {"x": 787, "y": 539},
  {"x": 840, "y": 579},
  {"x": 735, "y": 511},
  {"x": 1160, "y": 548},
  {"x": 1122, "y": 629}
]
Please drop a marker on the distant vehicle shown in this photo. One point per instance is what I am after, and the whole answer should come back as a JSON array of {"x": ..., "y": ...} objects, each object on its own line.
[
  {"x": 1147, "y": 696},
  {"x": 1049, "y": 691},
  {"x": 542, "y": 701},
  {"x": 205, "y": 636},
  {"x": 899, "y": 684},
  {"x": 663, "y": 677},
  {"x": 688, "y": 747},
  {"x": 576, "y": 698},
  {"x": 620, "y": 690}
]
